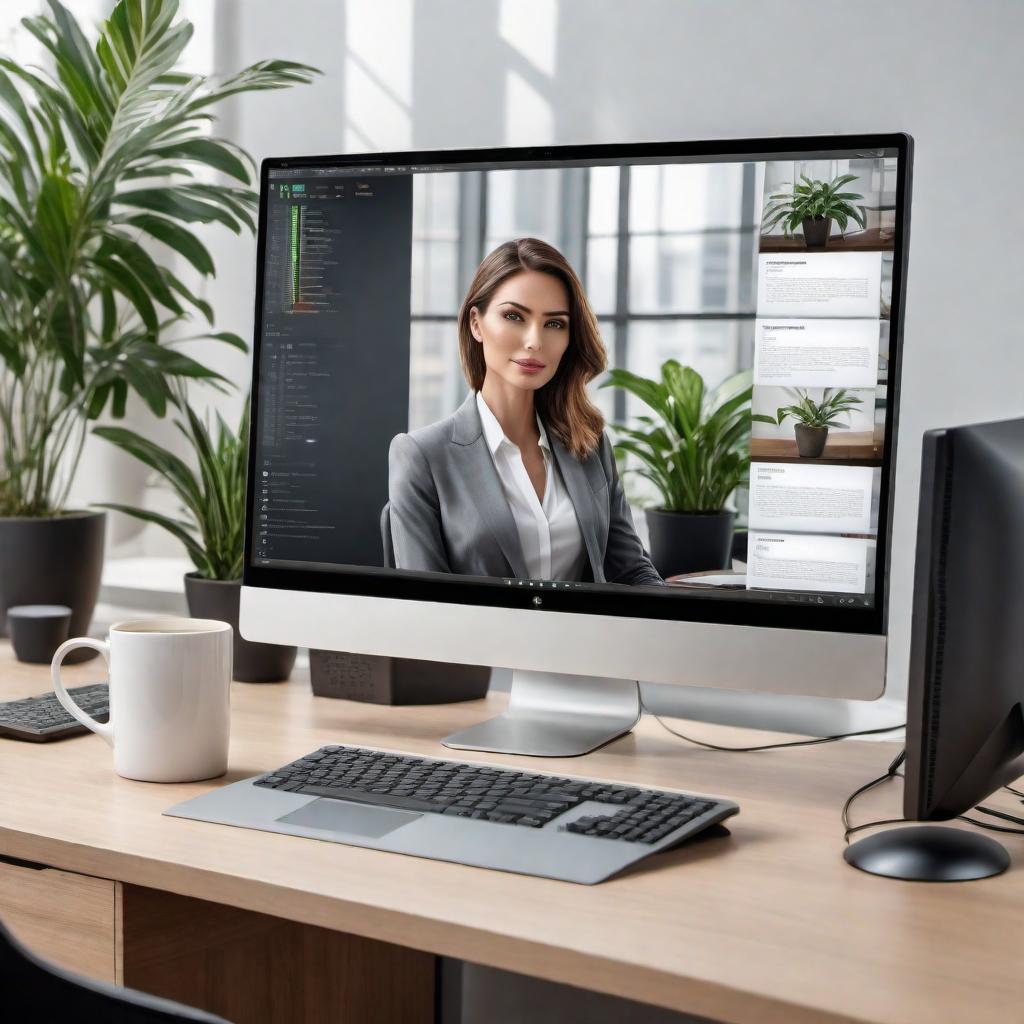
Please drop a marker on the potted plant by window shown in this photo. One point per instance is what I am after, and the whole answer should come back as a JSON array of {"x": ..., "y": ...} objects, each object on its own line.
[
  {"x": 97, "y": 160},
  {"x": 696, "y": 453},
  {"x": 213, "y": 527},
  {"x": 812, "y": 206},
  {"x": 813, "y": 418}
]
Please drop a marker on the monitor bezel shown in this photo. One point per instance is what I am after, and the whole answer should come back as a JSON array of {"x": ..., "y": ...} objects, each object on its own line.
[{"x": 595, "y": 600}]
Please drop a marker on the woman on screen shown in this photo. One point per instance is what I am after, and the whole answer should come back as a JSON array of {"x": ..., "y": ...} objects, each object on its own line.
[{"x": 520, "y": 481}]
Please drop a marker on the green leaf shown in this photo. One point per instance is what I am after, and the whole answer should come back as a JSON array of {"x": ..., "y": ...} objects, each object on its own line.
[
  {"x": 167, "y": 464},
  {"x": 142, "y": 266},
  {"x": 177, "y": 364},
  {"x": 201, "y": 304},
  {"x": 10, "y": 96},
  {"x": 214, "y": 153},
  {"x": 98, "y": 401},
  {"x": 175, "y": 527},
  {"x": 108, "y": 323},
  {"x": 117, "y": 406},
  {"x": 180, "y": 239},
  {"x": 231, "y": 339},
  {"x": 178, "y": 204},
  {"x": 149, "y": 386},
  {"x": 124, "y": 281}
]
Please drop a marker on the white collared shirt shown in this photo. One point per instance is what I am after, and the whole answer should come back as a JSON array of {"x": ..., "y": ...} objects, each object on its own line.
[{"x": 549, "y": 532}]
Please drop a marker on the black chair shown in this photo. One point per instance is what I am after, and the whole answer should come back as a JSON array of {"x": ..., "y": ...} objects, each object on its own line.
[
  {"x": 33, "y": 989},
  {"x": 385, "y": 536}
]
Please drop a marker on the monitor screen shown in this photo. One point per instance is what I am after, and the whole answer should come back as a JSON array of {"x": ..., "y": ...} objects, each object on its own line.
[{"x": 414, "y": 310}]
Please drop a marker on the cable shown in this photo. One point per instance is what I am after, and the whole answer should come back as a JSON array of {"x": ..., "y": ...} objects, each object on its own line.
[
  {"x": 992, "y": 812},
  {"x": 890, "y": 773},
  {"x": 990, "y": 827},
  {"x": 768, "y": 746}
]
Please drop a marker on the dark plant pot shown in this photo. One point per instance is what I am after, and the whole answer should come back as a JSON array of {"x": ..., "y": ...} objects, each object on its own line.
[
  {"x": 53, "y": 560},
  {"x": 689, "y": 541},
  {"x": 738, "y": 548},
  {"x": 810, "y": 441},
  {"x": 816, "y": 231},
  {"x": 253, "y": 662},
  {"x": 379, "y": 679}
]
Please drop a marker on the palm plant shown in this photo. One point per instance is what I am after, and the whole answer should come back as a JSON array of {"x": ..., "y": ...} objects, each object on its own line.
[
  {"x": 805, "y": 410},
  {"x": 813, "y": 200},
  {"x": 213, "y": 530},
  {"x": 698, "y": 450},
  {"x": 97, "y": 159}
]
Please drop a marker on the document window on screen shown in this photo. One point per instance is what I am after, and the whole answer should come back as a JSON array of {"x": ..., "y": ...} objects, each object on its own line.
[{"x": 373, "y": 452}]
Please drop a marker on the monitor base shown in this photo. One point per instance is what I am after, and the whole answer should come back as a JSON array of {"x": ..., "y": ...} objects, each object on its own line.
[
  {"x": 554, "y": 714},
  {"x": 929, "y": 853}
]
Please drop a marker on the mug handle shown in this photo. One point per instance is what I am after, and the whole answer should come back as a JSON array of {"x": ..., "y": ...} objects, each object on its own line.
[{"x": 104, "y": 730}]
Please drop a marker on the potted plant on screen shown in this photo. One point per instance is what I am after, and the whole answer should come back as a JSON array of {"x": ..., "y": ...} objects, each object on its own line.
[
  {"x": 210, "y": 524},
  {"x": 696, "y": 452},
  {"x": 99, "y": 158},
  {"x": 812, "y": 206},
  {"x": 813, "y": 418}
]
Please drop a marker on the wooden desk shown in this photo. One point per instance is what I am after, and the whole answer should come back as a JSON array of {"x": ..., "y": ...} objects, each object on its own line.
[{"x": 768, "y": 925}]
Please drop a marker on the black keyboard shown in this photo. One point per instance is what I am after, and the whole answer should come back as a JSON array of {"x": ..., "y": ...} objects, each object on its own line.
[
  {"x": 43, "y": 718},
  {"x": 500, "y": 795}
]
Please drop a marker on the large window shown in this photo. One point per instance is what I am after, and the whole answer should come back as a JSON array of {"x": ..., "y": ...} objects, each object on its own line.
[{"x": 667, "y": 254}]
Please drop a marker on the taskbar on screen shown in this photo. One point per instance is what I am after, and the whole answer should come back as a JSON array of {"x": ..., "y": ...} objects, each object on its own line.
[{"x": 689, "y": 589}]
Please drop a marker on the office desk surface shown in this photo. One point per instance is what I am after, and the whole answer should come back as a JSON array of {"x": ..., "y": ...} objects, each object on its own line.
[{"x": 769, "y": 924}]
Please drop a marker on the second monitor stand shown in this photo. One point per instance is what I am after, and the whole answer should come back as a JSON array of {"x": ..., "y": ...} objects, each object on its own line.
[{"x": 554, "y": 714}]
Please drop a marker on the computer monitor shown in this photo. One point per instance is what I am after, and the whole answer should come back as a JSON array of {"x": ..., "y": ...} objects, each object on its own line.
[
  {"x": 965, "y": 713},
  {"x": 389, "y": 513}
]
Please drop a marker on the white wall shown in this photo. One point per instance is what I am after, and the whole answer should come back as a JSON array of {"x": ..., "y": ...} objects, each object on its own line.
[{"x": 454, "y": 73}]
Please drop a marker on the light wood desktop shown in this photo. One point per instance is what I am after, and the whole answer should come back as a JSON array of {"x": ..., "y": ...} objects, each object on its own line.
[{"x": 767, "y": 925}]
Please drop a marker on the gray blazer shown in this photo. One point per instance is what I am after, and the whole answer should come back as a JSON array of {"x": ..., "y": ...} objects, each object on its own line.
[{"x": 449, "y": 512}]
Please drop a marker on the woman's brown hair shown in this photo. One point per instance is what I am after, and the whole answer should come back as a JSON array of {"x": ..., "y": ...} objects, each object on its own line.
[{"x": 563, "y": 403}]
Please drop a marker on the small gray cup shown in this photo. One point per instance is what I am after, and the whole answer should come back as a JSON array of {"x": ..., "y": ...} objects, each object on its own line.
[{"x": 37, "y": 630}]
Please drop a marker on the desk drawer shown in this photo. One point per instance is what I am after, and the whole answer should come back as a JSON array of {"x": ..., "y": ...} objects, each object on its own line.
[{"x": 64, "y": 917}]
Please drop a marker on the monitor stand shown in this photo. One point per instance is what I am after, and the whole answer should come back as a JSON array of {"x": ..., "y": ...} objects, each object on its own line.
[
  {"x": 554, "y": 714},
  {"x": 929, "y": 853}
]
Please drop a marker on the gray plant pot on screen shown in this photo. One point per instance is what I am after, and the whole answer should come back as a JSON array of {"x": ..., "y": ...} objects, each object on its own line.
[
  {"x": 53, "y": 560},
  {"x": 810, "y": 441},
  {"x": 816, "y": 231},
  {"x": 689, "y": 541},
  {"x": 253, "y": 662}
]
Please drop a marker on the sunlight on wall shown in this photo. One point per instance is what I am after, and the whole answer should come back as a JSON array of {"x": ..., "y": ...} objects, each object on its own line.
[
  {"x": 529, "y": 119},
  {"x": 198, "y": 58},
  {"x": 378, "y": 76},
  {"x": 530, "y": 26}
]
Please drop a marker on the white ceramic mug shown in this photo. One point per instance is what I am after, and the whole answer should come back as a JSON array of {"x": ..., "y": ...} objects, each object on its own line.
[{"x": 170, "y": 681}]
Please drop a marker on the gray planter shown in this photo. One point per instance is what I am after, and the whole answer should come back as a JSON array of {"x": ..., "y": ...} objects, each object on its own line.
[
  {"x": 689, "y": 541},
  {"x": 53, "y": 560},
  {"x": 253, "y": 662},
  {"x": 810, "y": 441},
  {"x": 816, "y": 231}
]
